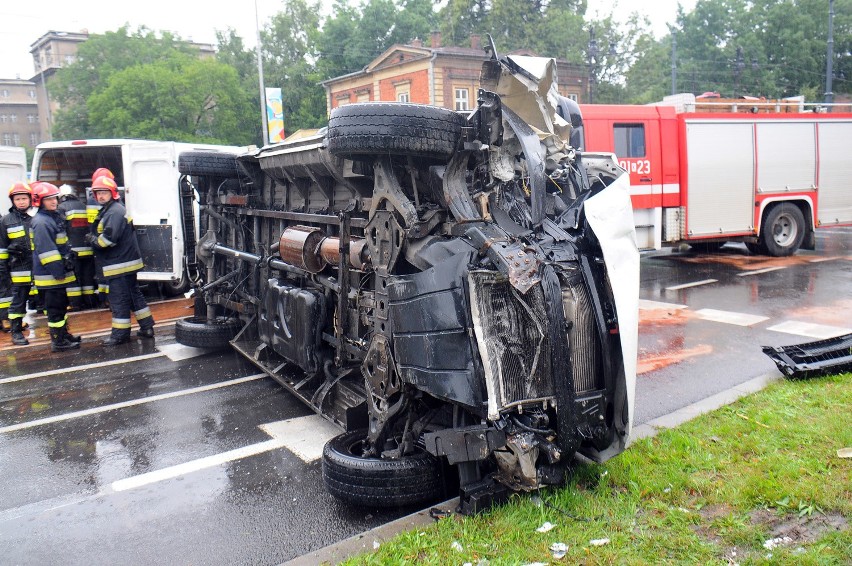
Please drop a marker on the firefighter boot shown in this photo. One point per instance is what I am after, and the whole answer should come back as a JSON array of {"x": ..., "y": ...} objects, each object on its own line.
[
  {"x": 18, "y": 337},
  {"x": 115, "y": 339},
  {"x": 146, "y": 330},
  {"x": 59, "y": 342},
  {"x": 70, "y": 337}
]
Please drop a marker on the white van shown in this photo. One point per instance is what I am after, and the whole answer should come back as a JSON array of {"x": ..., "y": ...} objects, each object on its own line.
[
  {"x": 13, "y": 169},
  {"x": 163, "y": 208}
]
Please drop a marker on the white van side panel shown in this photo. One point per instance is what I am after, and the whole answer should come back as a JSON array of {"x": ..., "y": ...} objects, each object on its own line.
[{"x": 13, "y": 169}]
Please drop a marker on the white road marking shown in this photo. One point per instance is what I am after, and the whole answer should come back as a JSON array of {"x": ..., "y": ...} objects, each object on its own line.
[
  {"x": 822, "y": 259},
  {"x": 177, "y": 352},
  {"x": 655, "y": 305},
  {"x": 305, "y": 436},
  {"x": 820, "y": 331},
  {"x": 738, "y": 318},
  {"x": 83, "y": 367},
  {"x": 195, "y": 465},
  {"x": 759, "y": 271},
  {"x": 125, "y": 404},
  {"x": 693, "y": 284}
]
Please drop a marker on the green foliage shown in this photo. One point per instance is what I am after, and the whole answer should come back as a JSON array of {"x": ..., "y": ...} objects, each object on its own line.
[
  {"x": 712, "y": 491},
  {"x": 145, "y": 85}
]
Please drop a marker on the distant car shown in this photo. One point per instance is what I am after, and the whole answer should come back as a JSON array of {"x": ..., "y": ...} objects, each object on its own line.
[{"x": 457, "y": 291}]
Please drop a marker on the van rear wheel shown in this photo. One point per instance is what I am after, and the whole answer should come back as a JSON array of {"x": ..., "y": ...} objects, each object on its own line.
[{"x": 198, "y": 332}]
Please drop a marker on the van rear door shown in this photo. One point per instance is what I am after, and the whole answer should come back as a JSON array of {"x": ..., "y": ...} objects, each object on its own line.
[
  {"x": 151, "y": 194},
  {"x": 13, "y": 169}
]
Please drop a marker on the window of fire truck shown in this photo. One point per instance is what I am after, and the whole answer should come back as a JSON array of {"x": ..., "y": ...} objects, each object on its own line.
[{"x": 629, "y": 140}]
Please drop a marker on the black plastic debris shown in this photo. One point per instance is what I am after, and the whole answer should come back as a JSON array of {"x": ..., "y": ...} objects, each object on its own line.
[{"x": 811, "y": 359}]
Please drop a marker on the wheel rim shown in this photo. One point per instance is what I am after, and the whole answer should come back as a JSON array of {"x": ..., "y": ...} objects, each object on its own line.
[{"x": 784, "y": 230}]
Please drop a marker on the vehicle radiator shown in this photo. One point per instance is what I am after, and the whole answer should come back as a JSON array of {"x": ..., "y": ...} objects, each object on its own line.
[{"x": 513, "y": 341}]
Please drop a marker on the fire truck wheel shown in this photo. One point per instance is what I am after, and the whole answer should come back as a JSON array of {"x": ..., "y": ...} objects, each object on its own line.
[
  {"x": 374, "y": 128},
  {"x": 208, "y": 164},
  {"x": 376, "y": 482},
  {"x": 783, "y": 230},
  {"x": 198, "y": 332}
]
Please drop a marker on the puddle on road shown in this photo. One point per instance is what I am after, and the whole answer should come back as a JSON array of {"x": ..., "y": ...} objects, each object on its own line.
[{"x": 839, "y": 313}]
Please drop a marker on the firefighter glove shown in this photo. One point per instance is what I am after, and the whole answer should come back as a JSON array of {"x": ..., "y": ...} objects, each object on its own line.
[{"x": 92, "y": 240}]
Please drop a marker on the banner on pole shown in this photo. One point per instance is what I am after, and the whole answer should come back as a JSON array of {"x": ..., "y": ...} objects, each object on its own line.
[{"x": 274, "y": 115}]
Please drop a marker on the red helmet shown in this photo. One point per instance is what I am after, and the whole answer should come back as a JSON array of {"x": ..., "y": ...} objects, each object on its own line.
[
  {"x": 42, "y": 190},
  {"x": 102, "y": 172},
  {"x": 21, "y": 189},
  {"x": 104, "y": 183}
]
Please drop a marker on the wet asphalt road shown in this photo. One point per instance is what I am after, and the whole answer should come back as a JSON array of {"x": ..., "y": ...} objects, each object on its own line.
[{"x": 78, "y": 448}]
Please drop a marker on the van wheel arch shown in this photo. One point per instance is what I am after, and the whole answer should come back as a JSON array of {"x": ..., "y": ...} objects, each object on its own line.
[{"x": 783, "y": 228}]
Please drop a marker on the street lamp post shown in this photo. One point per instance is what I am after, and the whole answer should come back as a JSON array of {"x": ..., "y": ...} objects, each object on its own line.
[
  {"x": 829, "y": 56},
  {"x": 260, "y": 78},
  {"x": 593, "y": 53}
]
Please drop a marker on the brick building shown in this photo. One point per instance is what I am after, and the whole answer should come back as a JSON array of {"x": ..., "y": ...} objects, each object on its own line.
[{"x": 441, "y": 76}]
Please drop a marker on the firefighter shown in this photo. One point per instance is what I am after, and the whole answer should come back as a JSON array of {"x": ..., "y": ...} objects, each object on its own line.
[
  {"x": 119, "y": 260},
  {"x": 16, "y": 260},
  {"x": 82, "y": 294},
  {"x": 92, "y": 209},
  {"x": 53, "y": 269}
]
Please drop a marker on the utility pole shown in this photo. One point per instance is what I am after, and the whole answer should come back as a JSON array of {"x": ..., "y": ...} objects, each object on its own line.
[
  {"x": 260, "y": 77},
  {"x": 674, "y": 60},
  {"x": 829, "y": 56}
]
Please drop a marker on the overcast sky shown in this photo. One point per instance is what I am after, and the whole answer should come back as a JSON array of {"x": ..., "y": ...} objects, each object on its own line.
[{"x": 21, "y": 23}]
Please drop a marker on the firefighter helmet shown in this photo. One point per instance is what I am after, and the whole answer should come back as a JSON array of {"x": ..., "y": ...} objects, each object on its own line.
[
  {"x": 42, "y": 190},
  {"x": 21, "y": 189},
  {"x": 102, "y": 172},
  {"x": 66, "y": 190},
  {"x": 104, "y": 183}
]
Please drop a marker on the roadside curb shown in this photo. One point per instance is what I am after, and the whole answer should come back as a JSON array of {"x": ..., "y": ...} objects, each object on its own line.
[{"x": 366, "y": 541}]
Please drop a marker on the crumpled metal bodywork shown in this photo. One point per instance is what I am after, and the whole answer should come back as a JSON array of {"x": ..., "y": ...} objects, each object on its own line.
[{"x": 483, "y": 306}]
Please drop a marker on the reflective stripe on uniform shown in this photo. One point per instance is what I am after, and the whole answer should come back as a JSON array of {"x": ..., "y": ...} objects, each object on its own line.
[
  {"x": 49, "y": 281},
  {"x": 121, "y": 323},
  {"x": 21, "y": 276},
  {"x": 88, "y": 290},
  {"x": 49, "y": 257},
  {"x": 4, "y": 253},
  {"x": 59, "y": 324},
  {"x": 5, "y": 302},
  {"x": 15, "y": 315},
  {"x": 103, "y": 288},
  {"x": 73, "y": 291},
  {"x": 122, "y": 268},
  {"x": 76, "y": 214},
  {"x": 104, "y": 242},
  {"x": 15, "y": 231},
  {"x": 61, "y": 238},
  {"x": 142, "y": 313}
]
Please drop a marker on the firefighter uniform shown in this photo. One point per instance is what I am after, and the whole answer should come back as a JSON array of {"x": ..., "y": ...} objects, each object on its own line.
[
  {"x": 16, "y": 260},
  {"x": 119, "y": 260},
  {"x": 52, "y": 268},
  {"x": 102, "y": 287},
  {"x": 81, "y": 295}
]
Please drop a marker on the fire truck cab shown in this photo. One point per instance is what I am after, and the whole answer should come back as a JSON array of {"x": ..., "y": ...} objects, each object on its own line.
[{"x": 704, "y": 178}]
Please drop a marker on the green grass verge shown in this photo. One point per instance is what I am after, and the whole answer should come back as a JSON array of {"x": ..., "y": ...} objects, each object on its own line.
[{"x": 713, "y": 490}]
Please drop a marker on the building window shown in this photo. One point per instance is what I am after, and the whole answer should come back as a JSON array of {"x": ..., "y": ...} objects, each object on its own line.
[
  {"x": 32, "y": 118},
  {"x": 32, "y": 94},
  {"x": 16, "y": 139},
  {"x": 362, "y": 96},
  {"x": 33, "y": 139},
  {"x": 2, "y": 118},
  {"x": 7, "y": 139},
  {"x": 69, "y": 59},
  {"x": 402, "y": 97},
  {"x": 462, "y": 99},
  {"x": 48, "y": 56},
  {"x": 4, "y": 93},
  {"x": 573, "y": 96},
  {"x": 629, "y": 140},
  {"x": 13, "y": 118}
]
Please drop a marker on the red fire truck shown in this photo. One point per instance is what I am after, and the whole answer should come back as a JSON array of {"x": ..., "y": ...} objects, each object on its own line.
[{"x": 766, "y": 178}]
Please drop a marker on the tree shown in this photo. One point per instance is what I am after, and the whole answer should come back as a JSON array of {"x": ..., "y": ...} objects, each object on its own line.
[{"x": 182, "y": 98}]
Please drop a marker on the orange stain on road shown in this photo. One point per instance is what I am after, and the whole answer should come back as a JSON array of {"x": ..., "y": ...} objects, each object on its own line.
[{"x": 652, "y": 362}]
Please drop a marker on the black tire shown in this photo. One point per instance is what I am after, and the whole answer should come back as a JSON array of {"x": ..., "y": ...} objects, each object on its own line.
[
  {"x": 173, "y": 288},
  {"x": 706, "y": 247},
  {"x": 783, "y": 230},
  {"x": 373, "y": 482},
  {"x": 394, "y": 129},
  {"x": 197, "y": 332},
  {"x": 208, "y": 164}
]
